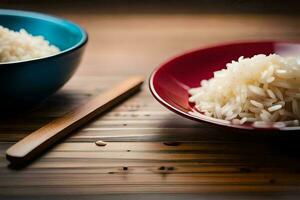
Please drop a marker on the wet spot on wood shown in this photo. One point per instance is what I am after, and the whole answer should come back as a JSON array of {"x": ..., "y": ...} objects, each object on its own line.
[
  {"x": 272, "y": 181},
  {"x": 172, "y": 143},
  {"x": 245, "y": 170}
]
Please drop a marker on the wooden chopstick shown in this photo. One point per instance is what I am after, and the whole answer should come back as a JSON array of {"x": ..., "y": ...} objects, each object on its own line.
[{"x": 41, "y": 139}]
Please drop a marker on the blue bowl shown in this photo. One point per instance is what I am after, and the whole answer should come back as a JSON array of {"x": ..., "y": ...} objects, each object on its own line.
[{"x": 26, "y": 83}]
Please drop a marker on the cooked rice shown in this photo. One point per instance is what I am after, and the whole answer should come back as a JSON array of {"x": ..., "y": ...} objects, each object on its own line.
[
  {"x": 259, "y": 89},
  {"x": 17, "y": 46}
]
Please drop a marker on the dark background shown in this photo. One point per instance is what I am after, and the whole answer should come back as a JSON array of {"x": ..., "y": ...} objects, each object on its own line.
[{"x": 159, "y": 6}]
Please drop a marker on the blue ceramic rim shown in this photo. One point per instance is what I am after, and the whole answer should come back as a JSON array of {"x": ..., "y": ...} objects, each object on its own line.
[{"x": 49, "y": 18}]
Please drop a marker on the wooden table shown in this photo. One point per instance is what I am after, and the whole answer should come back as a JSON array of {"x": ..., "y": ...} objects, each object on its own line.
[{"x": 152, "y": 153}]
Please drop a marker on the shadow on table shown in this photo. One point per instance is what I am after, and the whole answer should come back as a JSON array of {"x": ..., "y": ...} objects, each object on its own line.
[
  {"x": 255, "y": 149},
  {"x": 16, "y": 126}
]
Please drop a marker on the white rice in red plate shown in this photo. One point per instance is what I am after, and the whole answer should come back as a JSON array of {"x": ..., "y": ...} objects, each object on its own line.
[{"x": 258, "y": 89}]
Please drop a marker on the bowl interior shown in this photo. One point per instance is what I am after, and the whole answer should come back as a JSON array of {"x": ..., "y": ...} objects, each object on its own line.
[
  {"x": 24, "y": 84},
  {"x": 51, "y": 28},
  {"x": 171, "y": 81}
]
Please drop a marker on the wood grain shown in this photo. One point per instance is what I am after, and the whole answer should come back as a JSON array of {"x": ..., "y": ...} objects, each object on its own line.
[
  {"x": 207, "y": 163},
  {"x": 41, "y": 139}
]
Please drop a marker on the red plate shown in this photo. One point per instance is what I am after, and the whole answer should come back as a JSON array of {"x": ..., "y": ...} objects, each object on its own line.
[{"x": 170, "y": 82}]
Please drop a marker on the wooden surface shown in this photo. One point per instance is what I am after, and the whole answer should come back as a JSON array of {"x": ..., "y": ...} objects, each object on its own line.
[
  {"x": 43, "y": 138},
  {"x": 152, "y": 153}
]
